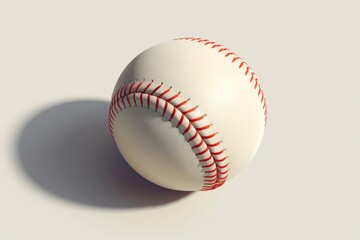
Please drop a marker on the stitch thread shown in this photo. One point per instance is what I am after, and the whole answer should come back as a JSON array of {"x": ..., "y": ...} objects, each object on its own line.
[
  {"x": 236, "y": 58},
  {"x": 207, "y": 148}
]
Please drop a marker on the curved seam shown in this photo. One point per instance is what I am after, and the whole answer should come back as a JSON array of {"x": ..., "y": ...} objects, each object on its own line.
[
  {"x": 235, "y": 58},
  {"x": 140, "y": 96}
]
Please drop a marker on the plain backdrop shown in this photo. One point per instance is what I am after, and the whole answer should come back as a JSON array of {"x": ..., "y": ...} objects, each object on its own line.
[{"x": 61, "y": 176}]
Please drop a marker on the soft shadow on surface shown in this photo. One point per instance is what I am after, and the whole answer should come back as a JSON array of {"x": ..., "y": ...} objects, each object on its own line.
[{"x": 68, "y": 151}]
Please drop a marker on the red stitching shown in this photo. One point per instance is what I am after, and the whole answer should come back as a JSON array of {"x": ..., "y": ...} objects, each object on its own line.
[
  {"x": 187, "y": 129},
  {"x": 210, "y": 163},
  {"x": 252, "y": 76},
  {"x": 216, "y": 45},
  {"x": 134, "y": 99},
  {"x": 147, "y": 86},
  {"x": 173, "y": 97},
  {"x": 197, "y": 119},
  {"x": 111, "y": 119},
  {"x": 220, "y": 160},
  {"x": 165, "y": 92},
  {"x": 182, "y": 103},
  {"x": 210, "y": 180},
  {"x": 122, "y": 99},
  {"x": 223, "y": 166},
  {"x": 112, "y": 111},
  {"x": 203, "y": 128},
  {"x": 203, "y": 151},
  {"x": 181, "y": 120},
  {"x": 165, "y": 108},
  {"x": 141, "y": 99},
  {"x": 205, "y": 43},
  {"x": 157, "y": 104},
  {"x": 194, "y": 136},
  {"x": 172, "y": 114},
  {"x": 211, "y": 171},
  {"x": 117, "y": 99},
  {"x": 214, "y": 145},
  {"x": 211, "y": 176},
  {"x": 131, "y": 86},
  {"x": 203, "y": 40},
  {"x": 248, "y": 70},
  {"x": 223, "y": 49},
  {"x": 190, "y": 110},
  {"x": 242, "y": 64},
  {"x": 235, "y": 58},
  {"x": 256, "y": 84},
  {"x": 157, "y": 88},
  {"x": 217, "y": 153},
  {"x": 148, "y": 100},
  {"x": 195, "y": 39},
  {"x": 199, "y": 144},
  {"x": 223, "y": 172},
  {"x": 137, "y": 88},
  {"x": 209, "y": 136},
  {"x": 121, "y": 90},
  {"x": 228, "y": 54},
  {"x": 206, "y": 159},
  {"x": 126, "y": 87},
  {"x": 118, "y": 105},
  {"x": 128, "y": 100}
]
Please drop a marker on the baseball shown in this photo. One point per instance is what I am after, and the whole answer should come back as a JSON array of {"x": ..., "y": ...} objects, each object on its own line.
[{"x": 188, "y": 114}]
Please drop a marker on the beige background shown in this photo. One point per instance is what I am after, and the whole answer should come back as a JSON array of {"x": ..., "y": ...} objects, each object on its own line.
[{"x": 61, "y": 176}]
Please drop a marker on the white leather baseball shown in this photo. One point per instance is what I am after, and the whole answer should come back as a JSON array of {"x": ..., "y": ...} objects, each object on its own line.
[{"x": 188, "y": 114}]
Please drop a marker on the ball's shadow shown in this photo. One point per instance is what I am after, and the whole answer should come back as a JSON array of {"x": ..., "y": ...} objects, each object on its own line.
[{"x": 68, "y": 151}]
